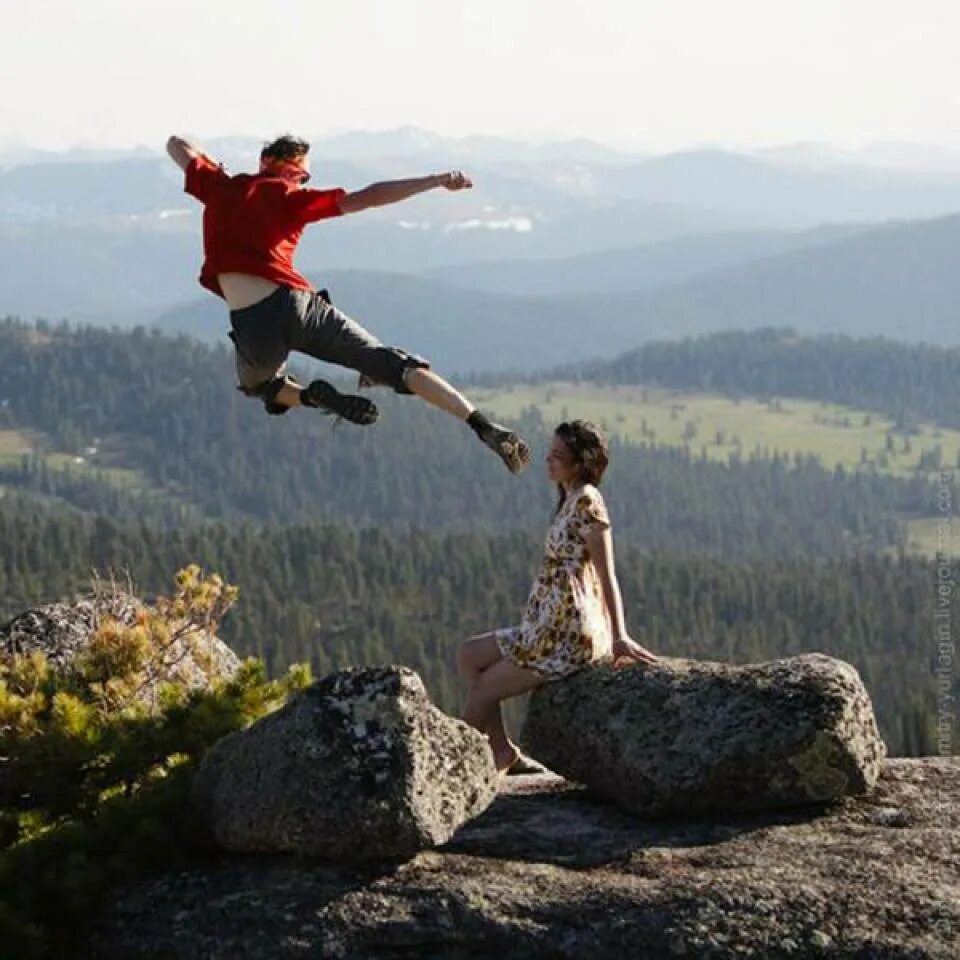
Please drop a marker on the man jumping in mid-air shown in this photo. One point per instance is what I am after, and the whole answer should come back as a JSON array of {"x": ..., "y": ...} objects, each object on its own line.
[{"x": 251, "y": 226}]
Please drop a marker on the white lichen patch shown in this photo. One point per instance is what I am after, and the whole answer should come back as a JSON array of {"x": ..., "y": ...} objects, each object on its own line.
[{"x": 818, "y": 765}]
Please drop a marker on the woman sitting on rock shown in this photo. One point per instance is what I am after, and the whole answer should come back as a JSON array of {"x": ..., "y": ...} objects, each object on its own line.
[{"x": 574, "y": 613}]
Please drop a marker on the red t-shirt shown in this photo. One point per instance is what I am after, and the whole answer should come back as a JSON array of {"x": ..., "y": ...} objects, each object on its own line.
[{"x": 252, "y": 222}]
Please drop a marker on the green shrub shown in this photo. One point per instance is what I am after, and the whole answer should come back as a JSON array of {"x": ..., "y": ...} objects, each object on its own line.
[{"x": 95, "y": 777}]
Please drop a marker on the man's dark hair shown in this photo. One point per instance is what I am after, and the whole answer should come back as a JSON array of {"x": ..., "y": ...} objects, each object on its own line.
[{"x": 286, "y": 147}]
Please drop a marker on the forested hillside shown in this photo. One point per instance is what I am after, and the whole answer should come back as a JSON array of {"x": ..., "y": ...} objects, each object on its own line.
[
  {"x": 167, "y": 413},
  {"x": 904, "y": 380},
  {"x": 394, "y": 542},
  {"x": 898, "y": 280},
  {"x": 337, "y": 597}
]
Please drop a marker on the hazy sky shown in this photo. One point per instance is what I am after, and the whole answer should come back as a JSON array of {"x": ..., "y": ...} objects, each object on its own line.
[{"x": 648, "y": 74}]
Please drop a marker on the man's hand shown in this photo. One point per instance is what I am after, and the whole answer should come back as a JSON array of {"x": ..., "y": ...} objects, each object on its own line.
[
  {"x": 627, "y": 651},
  {"x": 182, "y": 151},
  {"x": 454, "y": 180}
]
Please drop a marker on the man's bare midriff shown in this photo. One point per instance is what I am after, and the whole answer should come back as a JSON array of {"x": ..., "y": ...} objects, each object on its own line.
[{"x": 244, "y": 289}]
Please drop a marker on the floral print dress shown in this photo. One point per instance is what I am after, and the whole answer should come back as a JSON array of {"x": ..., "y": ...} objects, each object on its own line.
[{"x": 565, "y": 624}]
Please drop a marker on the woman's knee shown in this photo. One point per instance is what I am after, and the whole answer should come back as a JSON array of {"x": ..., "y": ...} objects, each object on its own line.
[
  {"x": 467, "y": 660},
  {"x": 475, "y": 654}
]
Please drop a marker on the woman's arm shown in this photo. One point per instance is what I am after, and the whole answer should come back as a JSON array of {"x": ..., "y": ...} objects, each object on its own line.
[{"x": 599, "y": 542}]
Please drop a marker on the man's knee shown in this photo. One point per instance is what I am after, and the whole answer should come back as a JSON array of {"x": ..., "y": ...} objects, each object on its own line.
[
  {"x": 390, "y": 367},
  {"x": 411, "y": 368},
  {"x": 414, "y": 373}
]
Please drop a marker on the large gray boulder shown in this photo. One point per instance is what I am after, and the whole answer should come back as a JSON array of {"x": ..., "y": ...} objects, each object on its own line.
[
  {"x": 687, "y": 737},
  {"x": 359, "y": 765}
]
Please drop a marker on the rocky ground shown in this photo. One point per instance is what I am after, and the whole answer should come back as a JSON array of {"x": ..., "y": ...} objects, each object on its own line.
[{"x": 550, "y": 870}]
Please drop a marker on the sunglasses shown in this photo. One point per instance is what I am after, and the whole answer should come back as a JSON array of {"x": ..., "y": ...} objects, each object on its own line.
[{"x": 288, "y": 165}]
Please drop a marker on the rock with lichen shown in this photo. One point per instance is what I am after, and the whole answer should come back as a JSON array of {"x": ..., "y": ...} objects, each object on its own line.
[
  {"x": 359, "y": 765},
  {"x": 696, "y": 737},
  {"x": 63, "y": 632}
]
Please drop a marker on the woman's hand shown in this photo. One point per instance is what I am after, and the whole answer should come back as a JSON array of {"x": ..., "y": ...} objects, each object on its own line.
[{"x": 627, "y": 651}]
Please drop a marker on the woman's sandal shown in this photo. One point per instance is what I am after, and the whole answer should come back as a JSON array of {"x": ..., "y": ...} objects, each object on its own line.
[{"x": 523, "y": 765}]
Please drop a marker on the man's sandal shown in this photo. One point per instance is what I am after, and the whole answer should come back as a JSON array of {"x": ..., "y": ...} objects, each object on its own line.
[
  {"x": 510, "y": 448},
  {"x": 325, "y": 397}
]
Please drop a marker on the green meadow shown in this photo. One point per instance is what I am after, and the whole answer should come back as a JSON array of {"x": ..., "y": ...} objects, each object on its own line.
[
  {"x": 719, "y": 426},
  {"x": 706, "y": 424},
  {"x": 15, "y": 444},
  {"x": 83, "y": 466}
]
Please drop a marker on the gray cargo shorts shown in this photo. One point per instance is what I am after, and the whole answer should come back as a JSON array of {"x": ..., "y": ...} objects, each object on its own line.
[{"x": 264, "y": 333}]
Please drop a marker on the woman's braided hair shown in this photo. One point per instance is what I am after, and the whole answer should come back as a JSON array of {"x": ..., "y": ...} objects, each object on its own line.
[{"x": 588, "y": 446}]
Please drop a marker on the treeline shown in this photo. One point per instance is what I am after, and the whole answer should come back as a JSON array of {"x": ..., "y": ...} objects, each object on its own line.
[
  {"x": 906, "y": 381},
  {"x": 168, "y": 408},
  {"x": 336, "y": 596}
]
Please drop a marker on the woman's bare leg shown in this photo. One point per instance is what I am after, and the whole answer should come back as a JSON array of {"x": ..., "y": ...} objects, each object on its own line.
[
  {"x": 475, "y": 655},
  {"x": 498, "y": 682}
]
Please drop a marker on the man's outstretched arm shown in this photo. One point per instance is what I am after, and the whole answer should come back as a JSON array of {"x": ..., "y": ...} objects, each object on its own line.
[
  {"x": 182, "y": 151},
  {"x": 392, "y": 191}
]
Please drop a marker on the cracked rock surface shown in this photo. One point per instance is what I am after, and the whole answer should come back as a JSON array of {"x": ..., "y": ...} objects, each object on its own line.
[{"x": 551, "y": 869}]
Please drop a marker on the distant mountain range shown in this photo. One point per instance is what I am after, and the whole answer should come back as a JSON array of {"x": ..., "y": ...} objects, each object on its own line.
[
  {"x": 559, "y": 248},
  {"x": 890, "y": 155},
  {"x": 898, "y": 280},
  {"x": 784, "y": 187},
  {"x": 410, "y": 141},
  {"x": 133, "y": 268},
  {"x": 643, "y": 267}
]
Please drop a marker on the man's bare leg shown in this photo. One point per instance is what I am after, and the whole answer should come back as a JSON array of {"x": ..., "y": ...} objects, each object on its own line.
[
  {"x": 424, "y": 383},
  {"x": 429, "y": 386},
  {"x": 435, "y": 390},
  {"x": 289, "y": 395}
]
